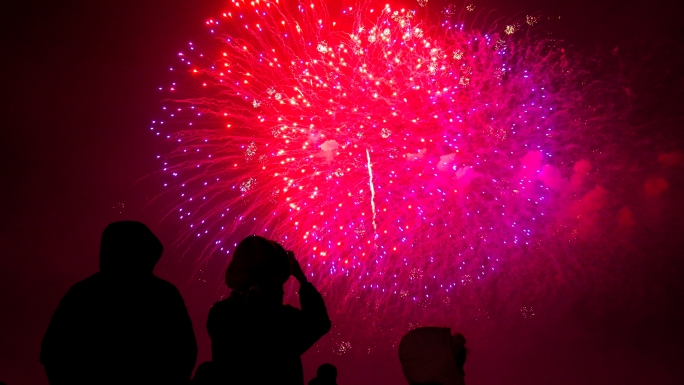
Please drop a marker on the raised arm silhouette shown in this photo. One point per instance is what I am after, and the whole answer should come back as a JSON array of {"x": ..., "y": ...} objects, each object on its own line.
[
  {"x": 121, "y": 325},
  {"x": 255, "y": 338}
]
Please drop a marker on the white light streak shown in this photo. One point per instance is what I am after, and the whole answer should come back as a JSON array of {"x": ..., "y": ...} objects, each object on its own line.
[{"x": 372, "y": 189}]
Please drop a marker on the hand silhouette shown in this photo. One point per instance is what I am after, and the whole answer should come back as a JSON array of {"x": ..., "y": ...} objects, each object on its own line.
[{"x": 295, "y": 268}]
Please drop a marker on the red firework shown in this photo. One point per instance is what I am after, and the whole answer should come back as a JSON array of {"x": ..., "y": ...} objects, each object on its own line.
[{"x": 399, "y": 158}]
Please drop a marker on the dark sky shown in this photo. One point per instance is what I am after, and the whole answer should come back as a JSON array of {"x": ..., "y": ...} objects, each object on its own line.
[{"x": 79, "y": 87}]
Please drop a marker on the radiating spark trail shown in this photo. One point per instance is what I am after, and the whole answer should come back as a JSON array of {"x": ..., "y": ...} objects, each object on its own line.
[
  {"x": 372, "y": 189},
  {"x": 486, "y": 145}
]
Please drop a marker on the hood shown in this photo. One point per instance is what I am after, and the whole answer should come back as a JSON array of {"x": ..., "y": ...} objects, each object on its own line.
[{"x": 129, "y": 248}]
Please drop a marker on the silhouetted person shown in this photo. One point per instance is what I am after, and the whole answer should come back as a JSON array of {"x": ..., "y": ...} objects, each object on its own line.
[
  {"x": 255, "y": 338},
  {"x": 432, "y": 356},
  {"x": 326, "y": 374},
  {"x": 121, "y": 325}
]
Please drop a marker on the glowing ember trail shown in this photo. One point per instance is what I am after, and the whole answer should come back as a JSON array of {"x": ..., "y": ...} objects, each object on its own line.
[{"x": 484, "y": 147}]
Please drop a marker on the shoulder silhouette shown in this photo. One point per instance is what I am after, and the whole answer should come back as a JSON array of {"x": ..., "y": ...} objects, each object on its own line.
[
  {"x": 255, "y": 338},
  {"x": 122, "y": 324},
  {"x": 433, "y": 356}
]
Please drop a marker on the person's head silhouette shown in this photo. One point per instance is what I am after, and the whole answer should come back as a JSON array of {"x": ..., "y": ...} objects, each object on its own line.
[
  {"x": 129, "y": 249},
  {"x": 432, "y": 355},
  {"x": 258, "y": 262},
  {"x": 327, "y": 373}
]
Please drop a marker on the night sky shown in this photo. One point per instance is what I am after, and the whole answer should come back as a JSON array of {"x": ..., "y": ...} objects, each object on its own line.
[{"x": 79, "y": 89}]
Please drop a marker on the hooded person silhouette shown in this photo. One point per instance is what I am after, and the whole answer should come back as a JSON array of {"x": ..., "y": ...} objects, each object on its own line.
[
  {"x": 121, "y": 325},
  {"x": 255, "y": 338}
]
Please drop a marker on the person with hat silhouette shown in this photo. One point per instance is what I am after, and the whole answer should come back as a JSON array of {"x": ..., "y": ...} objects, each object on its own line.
[{"x": 256, "y": 339}]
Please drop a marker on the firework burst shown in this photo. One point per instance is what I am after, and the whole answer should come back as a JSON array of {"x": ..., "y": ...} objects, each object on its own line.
[{"x": 401, "y": 159}]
